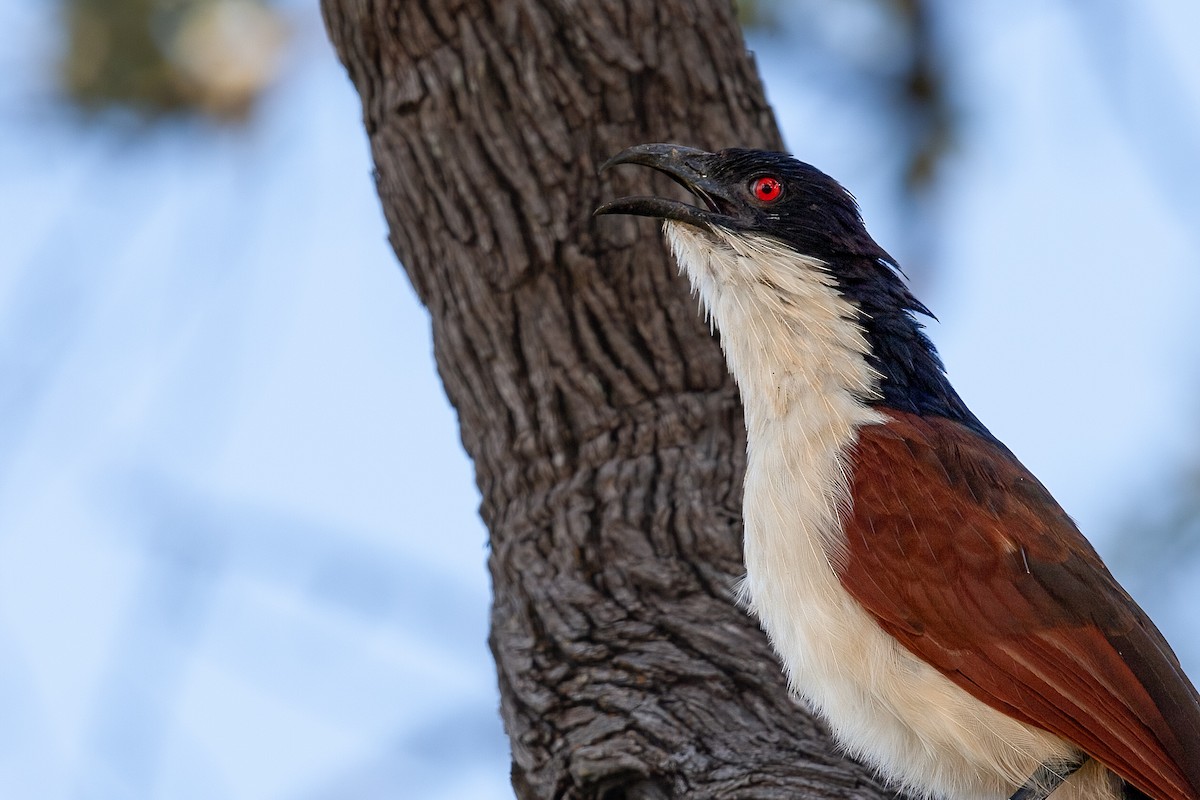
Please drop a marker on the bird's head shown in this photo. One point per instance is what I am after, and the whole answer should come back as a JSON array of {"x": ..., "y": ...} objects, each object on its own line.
[
  {"x": 779, "y": 253},
  {"x": 752, "y": 192}
]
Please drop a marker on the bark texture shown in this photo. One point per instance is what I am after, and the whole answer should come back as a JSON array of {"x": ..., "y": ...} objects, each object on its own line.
[{"x": 607, "y": 436}]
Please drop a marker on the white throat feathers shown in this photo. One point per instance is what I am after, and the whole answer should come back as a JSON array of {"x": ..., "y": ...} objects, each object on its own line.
[{"x": 785, "y": 329}]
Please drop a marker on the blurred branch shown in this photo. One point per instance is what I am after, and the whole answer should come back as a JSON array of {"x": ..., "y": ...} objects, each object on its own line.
[
  {"x": 886, "y": 61},
  {"x": 893, "y": 65},
  {"x": 920, "y": 89}
]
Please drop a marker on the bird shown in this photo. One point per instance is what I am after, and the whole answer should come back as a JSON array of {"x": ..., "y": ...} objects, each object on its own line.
[{"x": 924, "y": 592}]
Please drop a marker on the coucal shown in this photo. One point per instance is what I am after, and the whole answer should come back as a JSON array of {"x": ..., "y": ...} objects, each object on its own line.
[{"x": 923, "y": 590}]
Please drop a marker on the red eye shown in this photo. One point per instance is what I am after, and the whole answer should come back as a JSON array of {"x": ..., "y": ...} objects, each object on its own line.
[{"x": 767, "y": 189}]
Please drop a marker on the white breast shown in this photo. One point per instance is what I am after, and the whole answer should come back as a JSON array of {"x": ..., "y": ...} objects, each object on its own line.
[{"x": 797, "y": 354}]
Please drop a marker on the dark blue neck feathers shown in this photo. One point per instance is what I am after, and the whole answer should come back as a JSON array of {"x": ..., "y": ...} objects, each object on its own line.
[{"x": 914, "y": 379}]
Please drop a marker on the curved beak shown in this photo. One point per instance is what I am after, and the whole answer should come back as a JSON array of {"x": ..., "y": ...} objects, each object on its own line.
[{"x": 688, "y": 167}]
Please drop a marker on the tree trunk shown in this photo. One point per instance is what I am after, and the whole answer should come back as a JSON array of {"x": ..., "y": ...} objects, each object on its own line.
[{"x": 606, "y": 433}]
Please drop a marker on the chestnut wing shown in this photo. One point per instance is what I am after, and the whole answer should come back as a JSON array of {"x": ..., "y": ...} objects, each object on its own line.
[{"x": 965, "y": 558}]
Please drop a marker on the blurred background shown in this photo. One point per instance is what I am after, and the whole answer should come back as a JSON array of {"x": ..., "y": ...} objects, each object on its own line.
[{"x": 239, "y": 554}]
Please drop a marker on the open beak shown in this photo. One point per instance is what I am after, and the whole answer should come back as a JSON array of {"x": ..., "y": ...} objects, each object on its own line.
[{"x": 686, "y": 166}]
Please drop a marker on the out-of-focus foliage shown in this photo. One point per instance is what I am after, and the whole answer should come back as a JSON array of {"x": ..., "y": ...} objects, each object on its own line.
[{"x": 163, "y": 58}]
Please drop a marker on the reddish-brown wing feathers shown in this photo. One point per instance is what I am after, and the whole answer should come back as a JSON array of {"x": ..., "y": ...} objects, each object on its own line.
[{"x": 959, "y": 552}]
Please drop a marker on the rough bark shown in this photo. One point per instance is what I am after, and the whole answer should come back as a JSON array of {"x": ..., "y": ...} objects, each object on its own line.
[{"x": 607, "y": 436}]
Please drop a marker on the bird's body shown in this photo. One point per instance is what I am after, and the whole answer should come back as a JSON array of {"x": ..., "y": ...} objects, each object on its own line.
[
  {"x": 885, "y": 705},
  {"x": 925, "y": 594}
]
